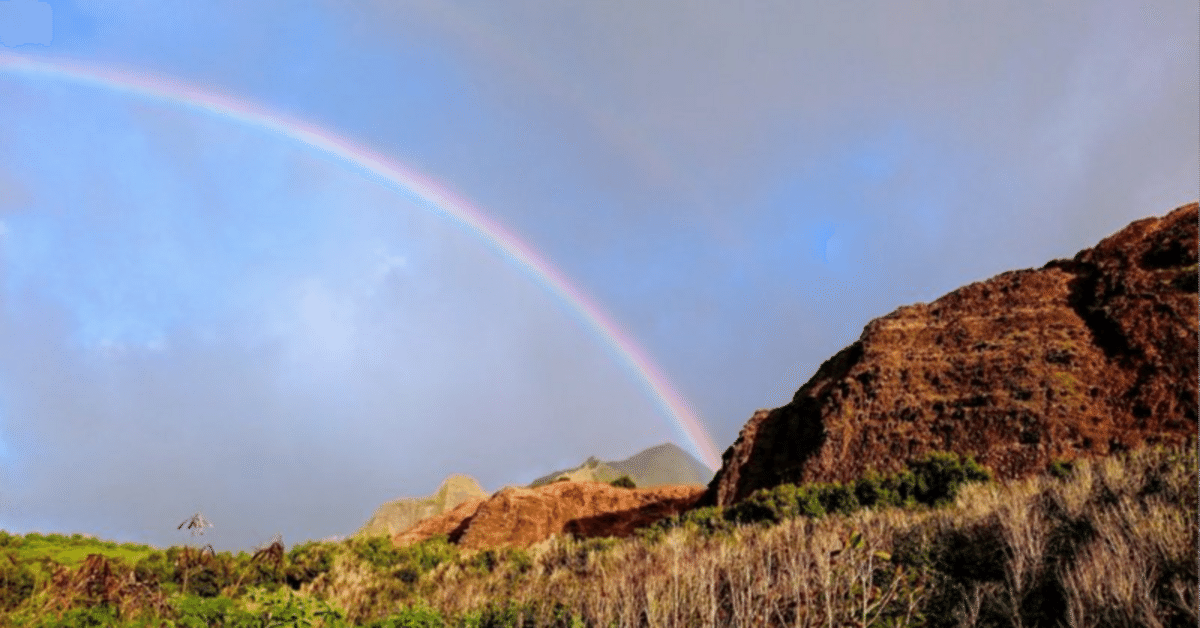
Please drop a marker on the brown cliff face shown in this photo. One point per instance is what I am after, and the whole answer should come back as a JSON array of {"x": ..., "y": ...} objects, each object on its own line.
[
  {"x": 1082, "y": 357},
  {"x": 524, "y": 516}
]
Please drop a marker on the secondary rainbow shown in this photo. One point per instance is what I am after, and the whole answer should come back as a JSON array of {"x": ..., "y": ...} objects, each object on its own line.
[{"x": 420, "y": 186}]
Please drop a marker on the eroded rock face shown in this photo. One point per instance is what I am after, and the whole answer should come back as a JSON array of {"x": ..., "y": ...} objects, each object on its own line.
[
  {"x": 1082, "y": 357},
  {"x": 524, "y": 516}
]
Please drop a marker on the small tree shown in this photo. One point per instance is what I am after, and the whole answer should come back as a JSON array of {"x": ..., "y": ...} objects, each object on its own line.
[{"x": 624, "y": 482}]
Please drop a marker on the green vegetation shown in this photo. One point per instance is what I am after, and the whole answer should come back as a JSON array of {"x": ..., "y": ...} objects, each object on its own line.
[
  {"x": 934, "y": 480},
  {"x": 1091, "y": 543},
  {"x": 624, "y": 482}
]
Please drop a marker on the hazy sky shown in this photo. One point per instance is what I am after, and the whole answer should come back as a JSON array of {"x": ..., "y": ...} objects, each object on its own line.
[{"x": 198, "y": 314}]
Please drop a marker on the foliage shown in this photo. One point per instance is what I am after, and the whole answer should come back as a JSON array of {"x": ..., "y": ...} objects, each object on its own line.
[
  {"x": 1061, "y": 469},
  {"x": 509, "y": 614},
  {"x": 377, "y": 551},
  {"x": 624, "y": 482},
  {"x": 307, "y": 561},
  {"x": 283, "y": 607},
  {"x": 939, "y": 475},
  {"x": 89, "y": 617},
  {"x": 418, "y": 616},
  {"x": 16, "y": 581},
  {"x": 933, "y": 480},
  {"x": 192, "y": 611}
]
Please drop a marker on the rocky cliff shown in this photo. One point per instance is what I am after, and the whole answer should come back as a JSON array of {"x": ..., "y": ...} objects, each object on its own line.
[
  {"x": 401, "y": 514},
  {"x": 524, "y": 516},
  {"x": 1081, "y": 357}
]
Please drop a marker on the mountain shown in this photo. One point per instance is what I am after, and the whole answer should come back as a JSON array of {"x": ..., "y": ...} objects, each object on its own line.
[
  {"x": 661, "y": 465},
  {"x": 524, "y": 516},
  {"x": 401, "y": 514},
  {"x": 1080, "y": 358}
]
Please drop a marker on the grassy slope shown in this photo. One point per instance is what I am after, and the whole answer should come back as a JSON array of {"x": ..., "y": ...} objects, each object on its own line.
[{"x": 1111, "y": 543}]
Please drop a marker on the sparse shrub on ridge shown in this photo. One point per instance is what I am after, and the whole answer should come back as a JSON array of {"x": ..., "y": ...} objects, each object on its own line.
[{"x": 624, "y": 482}]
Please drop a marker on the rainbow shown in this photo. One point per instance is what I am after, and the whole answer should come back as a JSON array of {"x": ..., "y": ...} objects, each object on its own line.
[{"x": 422, "y": 187}]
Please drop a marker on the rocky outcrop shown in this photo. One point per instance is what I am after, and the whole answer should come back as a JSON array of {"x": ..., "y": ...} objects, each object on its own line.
[
  {"x": 1082, "y": 357},
  {"x": 401, "y": 514},
  {"x": 524, "y": 516},
  {"x": 661, "y": 465}
]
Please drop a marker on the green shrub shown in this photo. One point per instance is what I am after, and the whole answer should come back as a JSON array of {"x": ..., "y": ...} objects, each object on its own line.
[
  {"x": 419, "y": 616},
  {"x": 836, "y": 498},
  {"x": 939, "y": 475},
  {"x": 376, "y": 550},
  {"x": 872, "y": 490},
  {"x": 306, "y": 562},
  {"x": 201, "y": 612},
  {"x": 429, "y": 553},
  {"x": 1061, "y": 469},
  {"x": 624, "y": 482},
  {"x": 510, "y": 614},
  {"x": 101, "y": 616},
  {"x": 282, "y": 607},
  {"x": 17, "y": 581}
]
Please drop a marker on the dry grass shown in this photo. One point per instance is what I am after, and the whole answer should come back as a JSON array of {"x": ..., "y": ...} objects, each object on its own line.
[{"x": 1114, "y": 544}]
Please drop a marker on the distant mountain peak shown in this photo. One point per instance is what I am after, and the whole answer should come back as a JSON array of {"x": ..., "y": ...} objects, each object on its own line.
[{"x": 661, "y": 465}]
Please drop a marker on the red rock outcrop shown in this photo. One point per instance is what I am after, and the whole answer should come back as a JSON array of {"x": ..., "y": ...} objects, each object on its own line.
[
  {"x": 1082, "y": 357},
  {"x": 524, "y": 516}
]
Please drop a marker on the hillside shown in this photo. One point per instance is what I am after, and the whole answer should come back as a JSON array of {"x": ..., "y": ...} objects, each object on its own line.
[
  {"x": 1084, "y": 357},
  {"x": 400, "y": 514},
  {"x": 524, "y": 516},
  {"x": 661, "y": 465}
]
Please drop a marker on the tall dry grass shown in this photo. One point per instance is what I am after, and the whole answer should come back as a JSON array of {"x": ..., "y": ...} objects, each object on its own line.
[{"x": 1114, "y": 544}]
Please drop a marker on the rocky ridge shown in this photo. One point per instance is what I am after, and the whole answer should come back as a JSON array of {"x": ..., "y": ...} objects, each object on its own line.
[
  {"x": 400, "y": 514},
  {"x": 1082, "y": 357},
  {"x": 524, "y": 516}
]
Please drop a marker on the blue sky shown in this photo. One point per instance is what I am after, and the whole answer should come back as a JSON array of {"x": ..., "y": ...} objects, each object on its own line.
[{"x": 196, "y": 314}]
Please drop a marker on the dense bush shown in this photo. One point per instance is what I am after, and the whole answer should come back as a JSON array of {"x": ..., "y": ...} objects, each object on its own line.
[
  {"x": 306, "y": 562},
  {"x": 154, "y": 567},
  {"x": 939, "y": 475},
  {"x": 377, "y": 551},
  {"x": 90, "y": 617},
  {"x": 624, "y": 482},
  {"x": 16, "y": 581},
  {"x": 419, "y": 616},
  {"x": 932, "y": 480}
]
